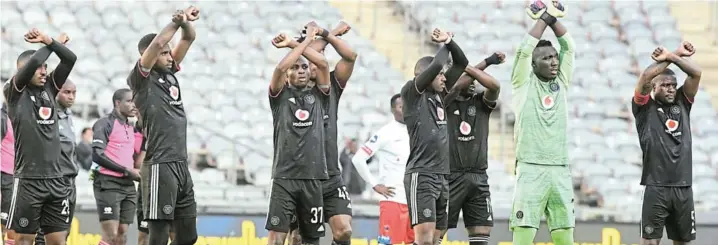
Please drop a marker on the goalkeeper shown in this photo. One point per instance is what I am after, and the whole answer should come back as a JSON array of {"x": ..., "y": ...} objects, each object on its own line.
[{"x": 540, "y": 80}]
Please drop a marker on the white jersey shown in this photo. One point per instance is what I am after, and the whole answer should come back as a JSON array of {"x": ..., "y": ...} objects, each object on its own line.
[{"x": 390, "y": 148}]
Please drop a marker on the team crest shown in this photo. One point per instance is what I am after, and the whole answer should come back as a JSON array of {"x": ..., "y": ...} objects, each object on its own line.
[
  {"x": 471, "y": 111},
  {"x": 464, "y": 128},
  {"x": 547, "y": 102},
  {"x": 553, "y": 86},
  {"x": 440, "y": 113},
  {"x": 302, "y": 115},
  {"x": 671, "y": 125},
  {"x": 309, "y": 98},
  {"x": 45, "y": 96},
  {"x": 675, "y": 110},
  {"x": 44, "y": 112},
  {"x": 174, "y": 92}
]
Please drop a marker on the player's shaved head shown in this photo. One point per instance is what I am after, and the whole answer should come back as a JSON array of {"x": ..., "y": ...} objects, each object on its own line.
[
  {"x": 23, "y": 57},
  {"x": 422, "y": 64},
  {"x": 393, "y": 100},
  {"x": 145, "y": 42}
]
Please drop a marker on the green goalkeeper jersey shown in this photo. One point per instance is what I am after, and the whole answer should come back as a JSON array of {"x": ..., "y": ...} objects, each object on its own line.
[{"x": 540, "y": 131}]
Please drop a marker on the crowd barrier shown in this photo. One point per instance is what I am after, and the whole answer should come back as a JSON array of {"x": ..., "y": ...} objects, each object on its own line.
[{"x": 249, "y": 230}]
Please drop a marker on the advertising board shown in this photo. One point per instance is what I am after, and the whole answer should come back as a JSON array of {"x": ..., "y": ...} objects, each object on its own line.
[{"x": 249, "y": 230}]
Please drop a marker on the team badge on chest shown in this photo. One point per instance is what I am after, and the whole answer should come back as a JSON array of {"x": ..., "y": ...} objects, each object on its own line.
[
  {"x": 547, "y": 101},
  {"x": 465, "y": 128},
  {"x": 174, "y": 92},
  {"x": 309, "y": 98},
  {"x": 671, "y": 125},
  {"x": 44, "y": 112},
  {"x": 302, "y": 115},
  {"x": 471, "y": 111}
]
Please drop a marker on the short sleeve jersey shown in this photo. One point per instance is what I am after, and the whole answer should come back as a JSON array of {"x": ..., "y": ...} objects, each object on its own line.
[
  {"x": 157, "y": 96},
  {"x": 32, "y": 111},
  {"x": 330, "y": 126},
  {"x": 468, "y": 122},
  {"x": 428, "y": 138},
  {"x": 299, "y": 140},
  {"x": 664, "y": 133}
]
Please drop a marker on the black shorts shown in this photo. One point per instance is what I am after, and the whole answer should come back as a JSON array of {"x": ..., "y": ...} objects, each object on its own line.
[
  {"x": 115, "y": 198},
  {"x": 6, "y": 192},
  {"x": 671, "y": 207},
  {"x": 427, "y": 198},
  {"x": 301, "y": 197},
  {"x": 336, "y": 197},
  {"x": 469, "y": 193},
  {"x": 167, "y": 191},
  {"x": 42, "y": 203}
]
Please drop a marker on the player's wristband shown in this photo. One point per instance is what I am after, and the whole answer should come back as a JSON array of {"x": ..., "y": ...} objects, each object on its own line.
[
  {"x": 324, "y": 33},
  {"x": 492, "y": 60},
  {"x": 550, "y": 20}
]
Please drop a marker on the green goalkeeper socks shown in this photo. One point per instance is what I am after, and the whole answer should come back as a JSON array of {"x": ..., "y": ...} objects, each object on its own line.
[
  {"x": 525, "y": 235},
  {"x": 562, "y": 236}
]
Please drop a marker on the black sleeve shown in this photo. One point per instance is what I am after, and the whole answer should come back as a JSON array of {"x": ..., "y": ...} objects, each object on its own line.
[
  {"x": 424, "y": 79},
  {"x": 687, "y": 102},
  {"x": 138, "y": 77},
  {"x": 25, "y": 73},
  {"x": 459, "y": 63},
  {"x": 143, "y": 146},
  {"x": 409, "y": 94},
  {"x": 100, "y": 137},
  {"x": 62, "y": 71}
]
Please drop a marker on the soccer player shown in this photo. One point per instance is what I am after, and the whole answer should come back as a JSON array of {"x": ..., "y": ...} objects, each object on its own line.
[
  {"x": 389, "y": 147},
  {"x": 337, "y": 203},
  {"x": 300, "y": 158},
  {"x": 468, "y": 122},
  {"x": 41, "y": 193},
  {"x": 425, "y": 178},
  {"x": 167, "y": 187},
  {"x": 664, "y": 132},
  {"x": 540, "y": 80},
  {"x": 65, "y": 100},
  {"x": 113, "y": 148}
]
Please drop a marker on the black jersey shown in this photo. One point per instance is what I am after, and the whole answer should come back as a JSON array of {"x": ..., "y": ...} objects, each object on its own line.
[
  {"x": 34, "y": 121},
  {"x": 67, "y": 142},
  {"x": 468, "y": 123},
  {"x": 299, "y": 140},
  {"x": 426, "y": 122},
  {"x": 159, "y": 101},
  {"x": 664, "y": 132},
  {"x": 330, "y": 126}
]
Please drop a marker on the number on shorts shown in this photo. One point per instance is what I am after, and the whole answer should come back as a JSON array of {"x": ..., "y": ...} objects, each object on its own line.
[
  {"x": 488, "y": 205},
  {"x": 317, "y": 215},
  {"x": 65, "y": 207},
  {"x": 693, "y": 220},
  {"x": 343, "y": 194}
]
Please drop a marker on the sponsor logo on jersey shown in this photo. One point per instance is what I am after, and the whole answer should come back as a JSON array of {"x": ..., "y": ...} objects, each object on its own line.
[
  {"x": 175, "y": 94},
  {"x": 547, "y": 102},
  {"x": 465, "y": 129},
  {"x": 302, "y": 115},
  {"x": 45, "y": 113},
  {"x": 672, "y": 126}
]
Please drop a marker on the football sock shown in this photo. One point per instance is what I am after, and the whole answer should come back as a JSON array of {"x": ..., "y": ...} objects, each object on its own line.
[
  {"x": 524, "y": 235},
  {"x": 479, "y": 239},
  {"x": 562, "y": 236}
]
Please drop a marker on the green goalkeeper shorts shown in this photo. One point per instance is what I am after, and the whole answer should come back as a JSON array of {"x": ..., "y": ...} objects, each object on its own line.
[{"x": 543, "y": 189}]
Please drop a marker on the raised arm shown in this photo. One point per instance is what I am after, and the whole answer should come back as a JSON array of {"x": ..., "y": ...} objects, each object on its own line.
[
  {"x": 279, "y": 75},
  {"x": 188, "y": 34},
  {"x": 644, "y": 85},
  {"x": 424, "y": 79},
  {"x": 345, "y": 67},
  {"x": 459, "y": 62},
  {"x": 67, "y": 61},
  {"x": 492, "y": 85},
  {"x": 319, "y": 44},
  {"x": 680, "y": 58},
  {"x": 152, "y": 52},
  {"x": 521, "y": 70},
  {"x": 566, "y": 55},
  {"x": 27, "y": 70},
  {"x": 100, "y": 138}
]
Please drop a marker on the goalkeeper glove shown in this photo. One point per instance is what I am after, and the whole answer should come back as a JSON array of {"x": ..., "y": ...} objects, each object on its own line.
[
  {"x": 555, "y": 9},
  {"x": 536, "y": 9}
]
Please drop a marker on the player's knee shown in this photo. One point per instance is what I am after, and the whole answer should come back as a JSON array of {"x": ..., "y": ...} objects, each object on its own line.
[
  {"x": 342, "y": 233},
  {"x": 479, "y": 230},
  {"x": 681, "y": 243}
]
